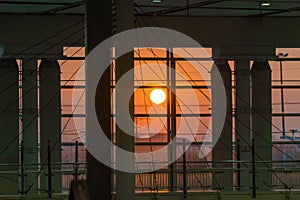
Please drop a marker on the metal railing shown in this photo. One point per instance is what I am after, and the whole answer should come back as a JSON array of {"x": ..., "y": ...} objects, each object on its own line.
[
  {"x": 184, "y": 176},
  {"x": 197, "y": 178}
]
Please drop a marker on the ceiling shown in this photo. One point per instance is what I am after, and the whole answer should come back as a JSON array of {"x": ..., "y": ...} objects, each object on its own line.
[{"x": 166, "y": 8}]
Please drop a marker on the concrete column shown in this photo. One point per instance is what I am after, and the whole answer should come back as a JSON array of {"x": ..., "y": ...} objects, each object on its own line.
[
  {"x": 9, "y": 125},
  {"x": 262, "y": 119},
  {"x": 125, "y": 185},
  {"x": 99, "y": 28},
  {"x": 30, "y": 120},
  {"x": 222, "y": 149},
  {"x": 242, "y": 117},
  {"x": 50, "y": 120}
]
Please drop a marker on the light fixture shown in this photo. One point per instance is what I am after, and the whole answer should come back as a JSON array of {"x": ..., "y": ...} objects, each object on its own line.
[
  {"x": 157, "y": 96},
  {"x": 156, "y": 1},
  {"x": 265, "y": 4}
]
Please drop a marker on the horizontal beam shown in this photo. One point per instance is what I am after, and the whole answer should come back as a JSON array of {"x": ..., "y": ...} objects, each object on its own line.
[
  {"x": 246, "y": 36},
  {"x": 40, "y": 35}
]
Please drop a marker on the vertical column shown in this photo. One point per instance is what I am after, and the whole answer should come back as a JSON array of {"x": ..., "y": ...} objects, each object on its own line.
[
  {"x": 30, "y": 120},
  {"x": 262, "y": 119},
  {"x": 242, "y": 118},
  {"x": 9, "y": 126},
  {"x": 222, "y": 149},
  {"x": 99, "y": 28},
  {"x": 50, "y": 120},
  {"x": 125, "y": 185}
]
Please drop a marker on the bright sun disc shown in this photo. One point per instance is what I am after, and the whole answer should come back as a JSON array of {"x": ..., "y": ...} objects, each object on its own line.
[{"x": 157, "y": 96}]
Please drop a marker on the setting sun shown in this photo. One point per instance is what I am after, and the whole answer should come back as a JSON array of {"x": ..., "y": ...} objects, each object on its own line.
[{"x": 157, "y": 96}]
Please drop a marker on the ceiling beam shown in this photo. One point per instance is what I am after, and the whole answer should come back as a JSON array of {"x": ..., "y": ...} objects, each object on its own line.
[
  {"x": 182, "y": 8},
  {"x": 32, "y": 3},
  {"x": 277, "y": 12}
]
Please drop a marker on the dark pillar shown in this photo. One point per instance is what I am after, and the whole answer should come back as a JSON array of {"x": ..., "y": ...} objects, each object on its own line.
[
  {"x": 9, "y": 125},
  {"x": 242, "y": 118},
  {"x": 50, "y": 120},
  {"x": 30, "y": 120},
  {"x": 222, "y": 149},
  {"x": 99, "y": 28},
  {"x": 262, "y": 120},
  {"x": 125, "y": 185}
]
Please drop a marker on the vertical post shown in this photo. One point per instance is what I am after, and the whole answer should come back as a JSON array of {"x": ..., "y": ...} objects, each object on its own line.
[
  {"x": 282, "y": 101},
  {"x": 171, "y": 185},
  {"x": 238, "y": 158},
  {"x": 173, "y": 116},
  {"x": 49, "y": 171},
  {"x": 253, "y": 171},
  {"x": 184, "y": 170},
  {"x": 22, "y": 169},
  {"x": 76, "y": 160}
]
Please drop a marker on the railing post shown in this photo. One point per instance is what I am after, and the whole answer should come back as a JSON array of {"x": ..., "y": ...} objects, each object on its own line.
[
  {"x": 238, "y": 157},
  {"x": 76, "y": 161},
  {"x": 184, "y": 171},
  {"x": 253, "y": 171},
  {"x": 49, "y": 171},
  {"x": 22, "y": 169}
]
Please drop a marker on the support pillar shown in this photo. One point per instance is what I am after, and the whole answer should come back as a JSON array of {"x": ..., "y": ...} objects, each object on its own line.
[
  {"x": 262, "y": 120},
  {"x": 9, "y": 126},
  {"x": 30, "y": 121},
  {"x": 222, "y": 149},
  {"x": 242, "y": 118},
  {"x": 125, "y": 185},
  {"x": 99, "y": 27},
  {"x": 50, "y": 121}
]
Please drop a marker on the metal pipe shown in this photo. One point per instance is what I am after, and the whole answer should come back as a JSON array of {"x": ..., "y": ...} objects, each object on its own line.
[
  {"x": 173, "y": 113},
  {"x": 184, "y": 171},
  {"x": 238, "y": 157},
  {"x": 169, "y": 93},
  {"x": 282, "y": 101},
  {"x": 76, "y": 161},
  {"x": 22, "y": 169},
  {"x": 253, "y": 171},
  {"x": 49, "y": 171}
]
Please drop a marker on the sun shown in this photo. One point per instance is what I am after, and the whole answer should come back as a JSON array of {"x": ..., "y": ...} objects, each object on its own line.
[{"x": 157, "y": 96}]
